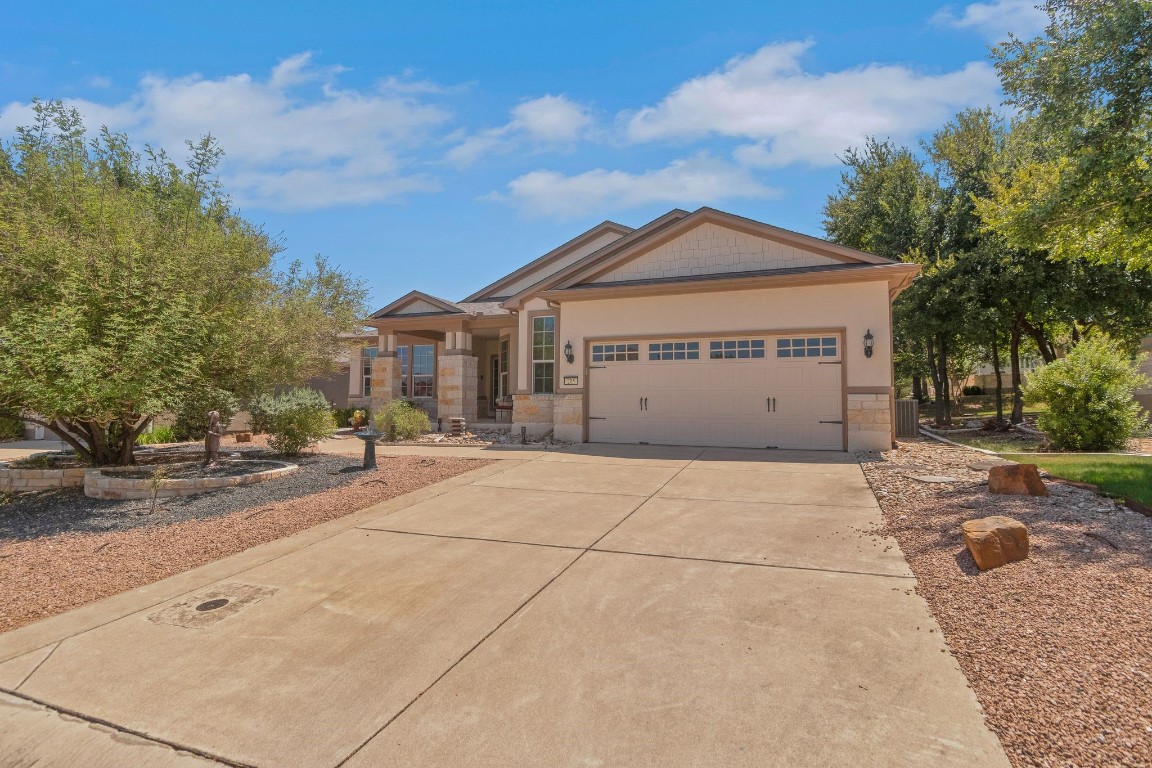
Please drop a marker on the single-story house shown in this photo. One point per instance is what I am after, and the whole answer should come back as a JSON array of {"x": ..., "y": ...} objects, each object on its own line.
[{"x": 699, "y": 328}]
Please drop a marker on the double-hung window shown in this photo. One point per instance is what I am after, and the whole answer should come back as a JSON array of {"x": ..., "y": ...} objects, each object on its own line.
[
  {"x": 366, "y": 360},
  {"x": 423, "y": 370},
  {"x": 417, "y": 370},
  {"x": 544, "y": 354},
  {"x": 504, "y": 366},
  {"x": 402, "y": 356}
]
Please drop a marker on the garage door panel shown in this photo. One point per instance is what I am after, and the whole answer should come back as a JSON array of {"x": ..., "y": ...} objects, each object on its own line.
[{"x": 743, "y": 402}]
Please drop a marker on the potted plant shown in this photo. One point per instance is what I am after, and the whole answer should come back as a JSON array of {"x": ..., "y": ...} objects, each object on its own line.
[{"x": 359, "y": 419}]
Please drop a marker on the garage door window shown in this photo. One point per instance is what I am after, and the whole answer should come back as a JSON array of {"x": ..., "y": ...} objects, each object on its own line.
[
  {"x": 734, "y": 349},
  {"x": 809, "y": 346},
  {"x": 674, "y": 350},
  {"x": 618, "y": 353}
]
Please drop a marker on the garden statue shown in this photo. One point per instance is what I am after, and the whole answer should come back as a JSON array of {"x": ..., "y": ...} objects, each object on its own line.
[{"x": 212, "y": 440}]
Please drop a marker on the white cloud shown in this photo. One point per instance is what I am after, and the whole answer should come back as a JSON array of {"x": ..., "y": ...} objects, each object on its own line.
[
  {"x": 701, "y": 179},
  {"x": 545, "y": 122},
  {"x": 996, "y": 19},
  {"x": 294, "y": 140},
  {"x": 794, "y": 116}
]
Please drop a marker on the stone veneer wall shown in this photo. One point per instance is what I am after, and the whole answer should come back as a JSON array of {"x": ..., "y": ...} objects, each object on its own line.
[
  {"x": 24, "y": 480},
  {"x": 534, "y": 412},
  {"x": 568, "y": 417},
  {"x": 869, "y": 419},
  {"x": 456, "y": 388},
  {"x": 385, "y": 380}
]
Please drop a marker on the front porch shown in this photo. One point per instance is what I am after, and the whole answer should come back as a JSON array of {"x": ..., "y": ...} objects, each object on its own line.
[{"x": 452, "y": 363}]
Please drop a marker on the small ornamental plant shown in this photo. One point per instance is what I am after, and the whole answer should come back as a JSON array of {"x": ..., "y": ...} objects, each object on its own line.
[
  {"x": 1090, "y": 397},
  {"x": 402, "y": 420}
]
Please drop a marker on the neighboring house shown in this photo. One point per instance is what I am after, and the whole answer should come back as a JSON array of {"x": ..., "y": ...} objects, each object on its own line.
[
  {"x": 1144, "y": 396},
  {"x": 985, "y": 375},
  {"x": 699, "y": 328},
  {"x": 349, "y": 388}
]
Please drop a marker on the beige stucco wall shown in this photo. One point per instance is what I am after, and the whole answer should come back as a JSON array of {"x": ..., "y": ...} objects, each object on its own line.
[
  {"x": 524, "y": 334},
  {"x": 855, "y": 307}
]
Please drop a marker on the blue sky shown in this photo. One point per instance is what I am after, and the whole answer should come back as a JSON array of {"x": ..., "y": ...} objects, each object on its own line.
[{"x": 440, "y": 145}]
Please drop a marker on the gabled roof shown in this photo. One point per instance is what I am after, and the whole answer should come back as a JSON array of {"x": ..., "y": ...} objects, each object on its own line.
[
  {"x": 613, "y": 257},
  {"x": 422, "y": 303},
  {"x": 635, "y": 236},
  {"x": 497, "y": 290}
]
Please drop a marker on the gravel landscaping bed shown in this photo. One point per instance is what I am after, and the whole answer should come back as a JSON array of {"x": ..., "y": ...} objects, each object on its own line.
[
  {"x": 1058, "y": 648},
  {"x": 33, "y": 515},
  {"x": 60, "y": 550}
]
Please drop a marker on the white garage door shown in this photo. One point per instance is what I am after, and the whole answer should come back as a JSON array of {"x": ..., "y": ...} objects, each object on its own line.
[{"x": 756, "y": 392}]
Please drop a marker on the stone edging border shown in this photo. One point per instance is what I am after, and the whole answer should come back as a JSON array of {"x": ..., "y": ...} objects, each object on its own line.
[{"x": 98, "y": 485}]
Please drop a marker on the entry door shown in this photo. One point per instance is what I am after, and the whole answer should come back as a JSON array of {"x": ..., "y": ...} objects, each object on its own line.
[{"x": 767, "y": 391}]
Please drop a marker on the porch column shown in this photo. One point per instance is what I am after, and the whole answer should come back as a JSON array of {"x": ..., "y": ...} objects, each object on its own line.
[
  {"x": 385, "y": 372},
  {"x": 456, "y": 382}
]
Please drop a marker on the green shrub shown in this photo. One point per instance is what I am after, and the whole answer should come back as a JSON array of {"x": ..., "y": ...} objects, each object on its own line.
[
  {"x": 296, "y": 419},
  {"x": 402, "y": 420},
  {"x": 1090, "y": 397},
  {"x": 192, "y": 414},
  {"x": 972, "y": 390},
  {"x": 157, "y": 435},
  {"x": 11, "y": 429},
  {"x": 343, "y": 416}
]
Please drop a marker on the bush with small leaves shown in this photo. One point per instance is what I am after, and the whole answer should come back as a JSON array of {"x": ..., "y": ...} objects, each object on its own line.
[
  {"x": 402, "y": 420},
  {"x": 295, "y": 420},
  {"x": 192, "y": 415},
  {"x": 157, "y": 436},
  {"x": 1090, "y": 397}
]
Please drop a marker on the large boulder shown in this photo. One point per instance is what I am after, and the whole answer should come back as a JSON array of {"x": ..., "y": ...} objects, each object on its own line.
[
  {"x": 1016, "y": 480},
  {"x": 995, "y": 541}
]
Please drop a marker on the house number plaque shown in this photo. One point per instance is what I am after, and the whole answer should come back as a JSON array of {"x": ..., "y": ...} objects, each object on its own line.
[{"x": 571, "y": 381}]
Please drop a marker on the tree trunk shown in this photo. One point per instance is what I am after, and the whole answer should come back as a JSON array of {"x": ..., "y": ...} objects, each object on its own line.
[
  {"x": 999, "y": 383},
  {"x": 918, "y": 388},
  {"x": 1047, "y": 351},
  {"x": 944, "y": 403},
  {"x": 934, "y": 372},
  {"x": 1017, "y": 396}
]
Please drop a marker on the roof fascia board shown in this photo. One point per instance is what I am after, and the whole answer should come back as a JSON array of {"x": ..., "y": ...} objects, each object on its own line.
[
  {"x": 551, "y": 256},
  {"x": 516, "y": 301},
  {"x": 412, "y": 296},
  {"x": 730, "y": 221},
  {"x": 897, "y": 275}
]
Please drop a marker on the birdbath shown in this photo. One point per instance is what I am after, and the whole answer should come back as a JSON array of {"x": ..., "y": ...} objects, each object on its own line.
[{"x": 369, "y": 436}]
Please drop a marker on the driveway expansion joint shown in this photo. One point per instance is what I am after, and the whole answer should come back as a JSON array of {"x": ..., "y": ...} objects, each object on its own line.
[
  {"x": 756, "y": 565},
  {"x": 130, "y": 731}
]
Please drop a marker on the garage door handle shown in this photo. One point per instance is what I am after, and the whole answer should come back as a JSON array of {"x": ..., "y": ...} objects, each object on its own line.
[
  {"x": 831, "y": 422},
  {"x": 771, "y": 401}
]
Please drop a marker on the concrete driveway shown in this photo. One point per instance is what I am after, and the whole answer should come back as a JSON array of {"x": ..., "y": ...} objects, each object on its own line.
[{"x": 599, "y": 606}]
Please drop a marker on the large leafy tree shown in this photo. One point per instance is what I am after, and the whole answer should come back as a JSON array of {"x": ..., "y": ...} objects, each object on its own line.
[
  {"x": 1085, "y": 87},
  {"x": 132, "y": 288}
]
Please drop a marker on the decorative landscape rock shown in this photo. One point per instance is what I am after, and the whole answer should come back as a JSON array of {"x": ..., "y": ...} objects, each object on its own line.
[
  {"x": 1016, "y": 480},
  {"x": 935, "y": 478},
  {"x": 243, "y": 437},
  {"x": 995, "y": 541}
]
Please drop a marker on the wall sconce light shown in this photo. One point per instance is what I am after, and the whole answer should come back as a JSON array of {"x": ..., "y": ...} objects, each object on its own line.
[
  {"x": 869, "y": 342},
  {"x": 568, "y": 353}
]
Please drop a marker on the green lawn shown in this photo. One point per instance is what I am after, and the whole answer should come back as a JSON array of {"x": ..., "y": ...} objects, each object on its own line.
[
  {"x": 1000, "y": 443},
  {"x": 1116, "y": 475}
]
